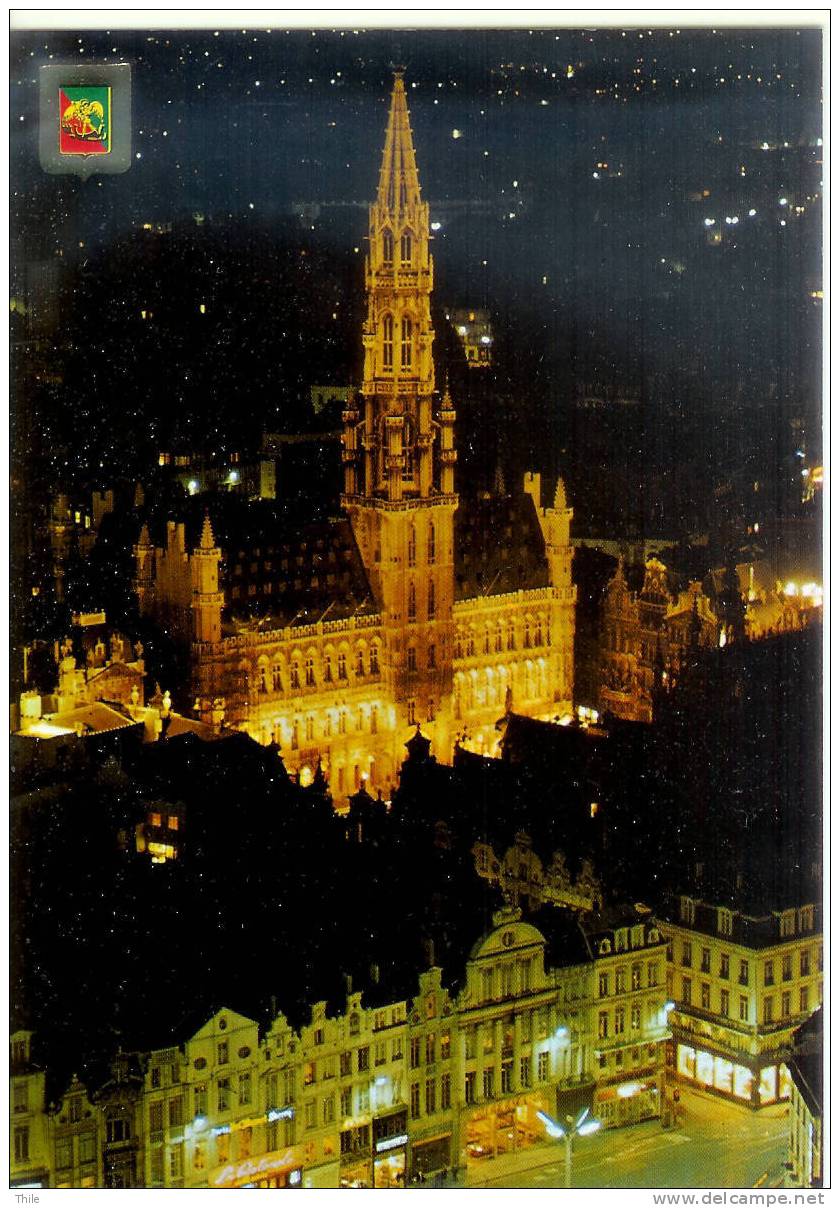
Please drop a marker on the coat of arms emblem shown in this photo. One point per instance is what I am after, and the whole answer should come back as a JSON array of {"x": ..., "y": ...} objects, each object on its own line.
[{"x": 84, "y": 121}]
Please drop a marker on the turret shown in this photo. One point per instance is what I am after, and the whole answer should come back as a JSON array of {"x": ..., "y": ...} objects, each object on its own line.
[{"x": 207, "y": 600}]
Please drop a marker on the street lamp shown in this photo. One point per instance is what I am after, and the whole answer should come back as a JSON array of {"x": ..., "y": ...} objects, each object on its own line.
[{"x": 583, "y": 1126}]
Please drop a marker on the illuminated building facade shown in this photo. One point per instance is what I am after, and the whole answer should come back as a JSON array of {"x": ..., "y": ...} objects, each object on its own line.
[
  {"x": 632, "y": 1024},
  {"x": 806, "y": 1104},
  {"x": 741, "y": 983},
  {"x": 333, "y": 641},
  {"x": 646, "y": 636},
  {"x": 475, "y": 332},
  {"x": 386, "y": 1090},
  {"x": 29, "y": 1158}
]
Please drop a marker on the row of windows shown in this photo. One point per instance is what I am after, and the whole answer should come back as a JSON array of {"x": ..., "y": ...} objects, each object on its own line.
[
  {"x": 406, "y": 244},
  {"x": 501, "y": 636},
  {"x": 801, "y": 918},
  {"x": 304, "y": 673},
  {"x": 723, "y": 1006},
  {"x": 269, "y": 587},
  {"x": 786, "y": 964},
  {"x": 406, "y": 334},
  {"x": 431, "y": 553},
  {"x": 507, "y": 1075},
  {"x": 621, "y": 980},
  {"x": 431, "y": 602},
  {"x": 429, "y": 1048},
  {"x": 335, "y": 722},
  {"x": 621, "y": 1017}
]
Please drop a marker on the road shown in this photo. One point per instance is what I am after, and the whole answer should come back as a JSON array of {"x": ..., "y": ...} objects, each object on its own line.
[{"x": 715, "y": 1144}]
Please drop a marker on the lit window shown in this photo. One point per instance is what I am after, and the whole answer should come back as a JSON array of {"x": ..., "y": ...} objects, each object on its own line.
[
  {"x": 173, "y": 822},
  {"x": 405, "y": 343},
  {"x": 388, "y": 342}
]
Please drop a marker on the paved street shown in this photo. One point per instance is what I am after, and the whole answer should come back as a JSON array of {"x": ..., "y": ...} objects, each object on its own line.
[{"x": 715, "y": 1144}]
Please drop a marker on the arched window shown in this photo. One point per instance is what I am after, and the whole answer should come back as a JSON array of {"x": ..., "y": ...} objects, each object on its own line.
[
  {"x": 328, "y": 670},
  {"x": 412, "y": 546},
  {"x": 403, "y": 193},
  {"x": 405, "y": 247},
  {"x": 405, "y": 345},
  {"x": 360, "y": 661},
  {"x": 388, "y": 341},
  {"x": 277, "y": 677},
  {"x": 295, "y": 676},
  {"x": 430, "y": 544},
  {"x": 432, "y": 603},
  {"x": 412, "y": 602},
  {"x": 374, "y": 660},
  {"x": 387, "y": 246},
  {"x": 262, "y": 672},
  {"x": 342, "y": 666},
  {"x": 310, "y": 671}
]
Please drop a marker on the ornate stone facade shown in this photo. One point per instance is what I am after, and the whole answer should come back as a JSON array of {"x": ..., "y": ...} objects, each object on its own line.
[{"x": 369, "y": 628}]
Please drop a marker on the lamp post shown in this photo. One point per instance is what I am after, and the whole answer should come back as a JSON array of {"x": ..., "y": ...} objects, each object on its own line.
[{"x": 583, "y": 1126}]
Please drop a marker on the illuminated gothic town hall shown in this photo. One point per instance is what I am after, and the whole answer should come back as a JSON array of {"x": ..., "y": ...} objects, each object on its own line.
[{"x": 433, "y": 616}]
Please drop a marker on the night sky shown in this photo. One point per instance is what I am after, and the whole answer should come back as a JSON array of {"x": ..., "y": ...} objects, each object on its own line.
[{"x": 609, "y": 268}]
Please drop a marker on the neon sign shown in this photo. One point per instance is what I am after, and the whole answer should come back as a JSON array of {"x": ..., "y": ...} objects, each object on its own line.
[{"x": 391, "y": 1143}]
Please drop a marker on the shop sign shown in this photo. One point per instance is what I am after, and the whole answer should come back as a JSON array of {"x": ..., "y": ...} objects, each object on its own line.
[
  {"x": 391, "y": 1143},
  {"x": 254, "y": 1167}
]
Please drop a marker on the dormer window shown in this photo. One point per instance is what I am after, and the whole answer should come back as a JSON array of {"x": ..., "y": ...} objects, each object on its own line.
[
  {"x": 806, "y": 918},
  {"x": 387, "y": 247},
  {"x": 724, "y": 921},
  {"x": 687, "y": 911}
]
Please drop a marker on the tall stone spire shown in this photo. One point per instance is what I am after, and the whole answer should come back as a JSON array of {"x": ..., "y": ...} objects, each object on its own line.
[
  {"x": 399, "y": 183},
  {"x": 388, "y": 450},
  {"x": 398, "y": 445}
]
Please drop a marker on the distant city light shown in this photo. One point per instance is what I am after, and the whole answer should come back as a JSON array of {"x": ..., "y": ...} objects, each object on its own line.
[
  {"x": 192, "y": 486},
  {"x": 709, "y": 222},
  {"x": 783, "y": 201},
  {"x": 436, "y": 226},
  {"x": 752, "y": 213},
  {"x": 456, "y": 133}
]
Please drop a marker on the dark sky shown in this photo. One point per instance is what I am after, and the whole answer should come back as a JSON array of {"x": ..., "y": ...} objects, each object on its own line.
[{"x": 614, "y": 263}]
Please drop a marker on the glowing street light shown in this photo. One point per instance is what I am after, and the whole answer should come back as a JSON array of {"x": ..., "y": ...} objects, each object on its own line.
[{"x": 582, "y": 1126}]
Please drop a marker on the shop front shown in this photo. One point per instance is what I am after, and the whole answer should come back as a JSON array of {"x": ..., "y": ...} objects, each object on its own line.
[
  {"x": 628, "y": 1102},
  {"x": 390, "y": 1141},
  {"x": 757, "y": 1085},
  {"x": 281, "y": 1168},
  {"x": 505, "y": 1127},
  {"x": 356, "y": 1160},
  {"x": 431, "y": 1156}
]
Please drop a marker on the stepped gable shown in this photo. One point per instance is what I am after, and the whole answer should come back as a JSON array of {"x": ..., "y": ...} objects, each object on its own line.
[{"x": 499, "y": 547}]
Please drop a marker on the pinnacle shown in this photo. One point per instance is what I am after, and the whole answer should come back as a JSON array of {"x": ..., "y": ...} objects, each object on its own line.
[{"x": 207, "y": 541}]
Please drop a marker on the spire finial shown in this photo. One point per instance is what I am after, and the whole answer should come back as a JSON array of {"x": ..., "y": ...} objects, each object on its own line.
[{"x": 207, "y": 541}]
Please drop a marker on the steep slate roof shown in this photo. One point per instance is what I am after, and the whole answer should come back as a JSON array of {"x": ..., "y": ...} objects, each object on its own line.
[
  {"x": 499, "y": 547},
  {"x": 313, "y": 565}
]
